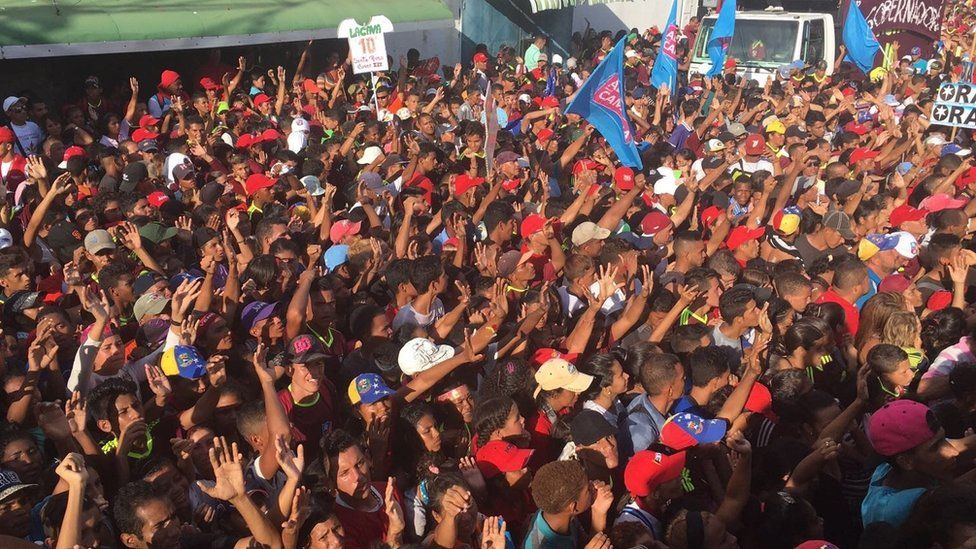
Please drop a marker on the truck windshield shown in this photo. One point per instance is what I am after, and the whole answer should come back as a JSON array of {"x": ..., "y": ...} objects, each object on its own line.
[{"x": 757, "y": 42}]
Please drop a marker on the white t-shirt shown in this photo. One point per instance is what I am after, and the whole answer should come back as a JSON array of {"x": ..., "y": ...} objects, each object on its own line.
[
  {"x": 30, "y": 136},
  {"x": 752, "y": 167}
]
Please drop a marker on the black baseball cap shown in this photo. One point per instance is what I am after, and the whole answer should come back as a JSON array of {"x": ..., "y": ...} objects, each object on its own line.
[{"x": 590, "y": 427}]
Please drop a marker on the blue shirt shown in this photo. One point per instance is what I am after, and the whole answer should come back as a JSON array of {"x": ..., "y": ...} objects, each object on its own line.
[
  {"x": 158, "y": 106},
  {"x": 643, "y": 423},
  {"x": 885, "y": 504},
  {"x": 679, "y": 136},
  {"x": 542, "y": 536},
  {"x": 875, "y": 280}
]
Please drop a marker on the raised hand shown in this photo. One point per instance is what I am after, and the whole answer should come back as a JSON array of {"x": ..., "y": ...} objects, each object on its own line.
[
  {"x": 493, "y": 533},
  {"x": 130, "y": 236},
  {"x": 51, "y": 419},
  {"x": 72, "y": 469},
  {"x": 188, "y": 330},
  {"x": 229, "y": 475},
  {"x": 158, "y": 383},
  {"x": 76, "y": 412},
  {"x": 36, "y": 168},
  {"x": 259, "y": 360},
  {"x": 394, "y": 512},
  {"x": 292, "y": 462},
  {"x": 217, "y": 370},
  {"x": 300, "y": 510}
]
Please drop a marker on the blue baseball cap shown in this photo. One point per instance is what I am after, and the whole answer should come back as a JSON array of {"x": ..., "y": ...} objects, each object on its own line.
[
  {"x": 255, "y": 312},
  {"x": 368, "y": 389},
  {"x": 336, "y": 256},
  {"x": 184, "y": 361},
  {"x": 685, "y": 430},
  {"x": 177, "y": 279},
  {"x": 904, "y": 167}
]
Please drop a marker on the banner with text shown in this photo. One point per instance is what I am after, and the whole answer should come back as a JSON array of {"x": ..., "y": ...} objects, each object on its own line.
[
  {"x": 367, "y": 46},
  {"x": 955, "y": 105},
  {"x": 911, "y": 22}
]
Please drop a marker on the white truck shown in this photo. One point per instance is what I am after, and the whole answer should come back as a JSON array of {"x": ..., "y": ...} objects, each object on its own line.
[{"x": 764, "y": 41}]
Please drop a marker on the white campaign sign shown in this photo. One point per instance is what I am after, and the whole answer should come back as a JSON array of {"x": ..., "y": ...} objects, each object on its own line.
[
  {"x": 955, "y": 105},
  {"x": 366, "y": 43}
]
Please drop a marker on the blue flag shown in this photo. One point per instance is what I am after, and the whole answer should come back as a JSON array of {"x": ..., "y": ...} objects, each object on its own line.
[
  {"x": 859, "y": 39},
  {"x": 550, "y": 84},
  {"x": 665, "y": 71},
  {"x": 718, "y": 42},
  {"x": 601, "y": 102}
]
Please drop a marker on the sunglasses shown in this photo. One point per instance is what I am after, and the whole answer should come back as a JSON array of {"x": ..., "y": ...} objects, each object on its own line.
[{"x": 382, "y": 96}]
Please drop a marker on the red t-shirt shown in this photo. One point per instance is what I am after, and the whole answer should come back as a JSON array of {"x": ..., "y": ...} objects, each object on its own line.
[
  {"x": 852, "y": 317},
  {"x": 309, "y": 422},
  {"x": 364, "y": 528}
]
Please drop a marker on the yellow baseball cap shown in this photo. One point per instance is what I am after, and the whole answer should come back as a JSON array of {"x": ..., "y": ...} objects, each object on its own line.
[{"x": 556, "y": 373}]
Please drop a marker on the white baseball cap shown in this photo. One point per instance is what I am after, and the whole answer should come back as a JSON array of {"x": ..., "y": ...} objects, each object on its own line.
[
  {"x": 907, "y": 246},
  {"x": 369, "y": 155},
  {"x": 557, "y": 59},
  {"x": 420, "y": 354},
  {"x": 299, "y": 125},
  {"x": 10, "y": 102}
]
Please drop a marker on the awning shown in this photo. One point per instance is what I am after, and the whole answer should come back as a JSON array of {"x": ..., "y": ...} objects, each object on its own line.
[
  {"x": 43, "y": 28},
  {"x": 540, "y": 5}
]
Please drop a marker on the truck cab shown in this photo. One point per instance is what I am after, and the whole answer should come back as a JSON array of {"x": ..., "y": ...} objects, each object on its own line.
[{"x": 764, "y": 41}]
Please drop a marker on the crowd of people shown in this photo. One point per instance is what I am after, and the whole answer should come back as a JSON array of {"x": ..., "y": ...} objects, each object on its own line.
[{"x": 287, "y": 307}]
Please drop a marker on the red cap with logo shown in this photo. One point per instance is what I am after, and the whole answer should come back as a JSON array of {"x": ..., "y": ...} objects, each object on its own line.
[
  {"x": 624, "y": 178},
  {"x": 261, "y": 99},
  {"x": 157, "y": 199},
  {"x": 649, "y": 469},
  {"x": 7, "y": 135},
  {"x": 755, "y": 144}
]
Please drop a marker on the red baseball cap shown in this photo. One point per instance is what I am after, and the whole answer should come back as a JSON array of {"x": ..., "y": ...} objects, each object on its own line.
[
  {"x": 269, "y": 134},
  {"x": 532, "y": 224},
  {"x": 624, "y": 178},
  {"x": 855, "y": 128},
  {"x": 343, "y": 228},
  {"x": 586, "y": 164},
  {"x": 498, "y": 457},
  {"x": 142, "y": 135},
  {"x": 731, "y": 63},
  {"x": 963, "y": 181},
  {"x": 148, "y": 120},
  {"x": 480, "y": 58},
  {"x": 741, "y": 234},
  {"x": 544, "y": 135},
  {"x": 464, "y": 182},
  {"x": 896, "y": 283},
  {"x": 72, "y": 152},
  {"x": 755, "y": 144},
  {"x": 939, "y": 300},
  {"x": 862, "y": 153},
  {"x": 208, "y": 83},
  {"x": 709, "y": 215},
  {"x": 905, "y": 213},
  {"x": 261, "y": 99},
  {"x": 900, "y": 426},
  {"x": 549, "y": 102},
  {"x": 309, "y": 85},
  {"x": 654, "y": 222},
  {"x": 256, "y": 182},
  {"x": 245, "y": 141},
  {"x": 648, "y": 469},
  {"x": 157, "y": 199},
  {"x": 760, "y": 400},
  {"x": 942, "y": 201},
  {"x": 7, "y": 135},
  {"x": 547, "y": 353}
]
